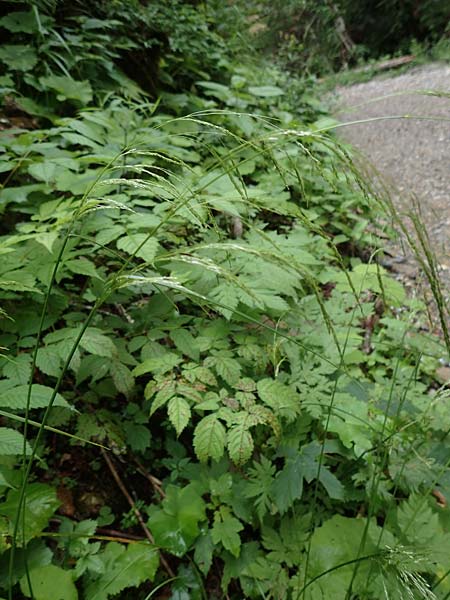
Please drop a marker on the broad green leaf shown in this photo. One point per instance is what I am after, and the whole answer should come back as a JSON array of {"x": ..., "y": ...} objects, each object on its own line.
[
  {"x": 333, "y": 544},
  {"x": 40, "y": 504},
  {"x": 122, "y": 377},
  {"x": 209, "y": 438},
  {"x": 43, "y": 171},
  {"x": 47, "y": 239},
  {"x": 225, "y": 531},
  {"x": 288, "y": 485},
  {"x": 123, "y": 567},
  {"x": 175, "y": 526},
  {"x": 16, "y": 398},
  {"x": 240, "y": 444},
  {"x": 95, "y": 342},
  {"x": 48, "y": 582},
  {"x": 67, "y": 88},
  {"x": 11, "y": 442},
  {"x": 185, "y": 342},
  {"x": 18, "y": 369},
  {"x": 179, "y": 413},
  {"x": 18, "y": 57},
  {"x": 158, "y": 365},
  {"x": 48, "y": 361},
  {"x": 266, "y": 91},
  {"x": 23, "y": 22},
  {"x": 139, "y": 245},
  {"x": 82, "y": 266},
  {"x": 203, "y": 555}
]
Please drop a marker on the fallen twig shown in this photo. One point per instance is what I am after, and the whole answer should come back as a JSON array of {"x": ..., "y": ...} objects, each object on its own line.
[{"x": 134, "y": 508}]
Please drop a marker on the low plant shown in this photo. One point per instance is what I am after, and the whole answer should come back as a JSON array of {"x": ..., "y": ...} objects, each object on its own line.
[{"x": 210, "y": 387}]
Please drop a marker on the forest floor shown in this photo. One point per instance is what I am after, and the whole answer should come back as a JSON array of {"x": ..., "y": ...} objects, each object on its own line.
[{"x": 409, "y": 155}]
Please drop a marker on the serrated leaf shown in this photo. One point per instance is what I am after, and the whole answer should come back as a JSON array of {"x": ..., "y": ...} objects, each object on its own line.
[
  {"x": 122, "y": 378},
  {"x": 240, "y": 444},
  {"x": 18, "y": 368},
  {"x": 185, "y": 342},
  {"x": 209, "y": 438},
  {"x": 203, "y": 555},
  {"x": 159, "y": 365},
  {"x": 22, "y": 21},
  {"x": 225, "y": 531},
  {"x": 416, "y": 520},
  {"x": 284, "y": 401},
  {"x": 11, "y": 442},
  {"x": 95, "y": 342},
  {"x": 16, "y": 397},
  {"x": 40, "y": 504},
  {"x": 163, "y": 395},
  {"x": 82, "y": 266},
  {"x": 139, "y": 245},
  {"x": 179, "y": 413},
  {"x": 49, "y": 581},
  {"x": 123, "y": 567},
  {"x": 228, "y": 368},
  {"x": 48, "y": 361}
]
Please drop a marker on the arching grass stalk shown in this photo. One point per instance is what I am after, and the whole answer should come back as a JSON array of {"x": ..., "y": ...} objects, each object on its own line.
[
  {"x": 306, "y": 584},
  {"x": 20, "y": 514},
  {"x": 121, "y": 279},
  {"x": 376, "y": 477}
]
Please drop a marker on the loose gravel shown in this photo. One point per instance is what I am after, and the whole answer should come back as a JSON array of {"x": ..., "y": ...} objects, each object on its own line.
[{"x": 412, "y": 155}]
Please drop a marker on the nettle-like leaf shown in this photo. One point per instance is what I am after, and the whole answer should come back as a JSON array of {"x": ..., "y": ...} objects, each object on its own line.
[
  {"x": 239, "y": 443},
  {"x": 209, "y": 438},
  {"x": 12, "y": 442},
  {"x": 122, "y": 377},
  {"x": 123, "y": 567},
  {"x": 96, "y": 342},
  {"x": 185, "y": 342},
  {"x": 226, "y": 367},
  {"x": 16, "y": 397},
  {"x": 179, "y": 413}
]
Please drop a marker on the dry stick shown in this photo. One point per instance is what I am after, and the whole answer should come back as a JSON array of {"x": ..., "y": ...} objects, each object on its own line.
[
  {"x": 134, "y": 508},
  {"x": 156, "y": 483}
]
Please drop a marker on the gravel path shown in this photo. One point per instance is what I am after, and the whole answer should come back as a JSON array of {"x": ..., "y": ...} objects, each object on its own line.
[{"x": 412, "y": 156}]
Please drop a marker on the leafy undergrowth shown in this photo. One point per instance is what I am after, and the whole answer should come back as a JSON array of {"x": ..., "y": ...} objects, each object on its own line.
[{"x": 210, "y": 388}]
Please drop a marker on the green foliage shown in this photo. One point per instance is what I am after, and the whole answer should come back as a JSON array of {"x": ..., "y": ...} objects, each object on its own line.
[{"x": 183, "y": 284}]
